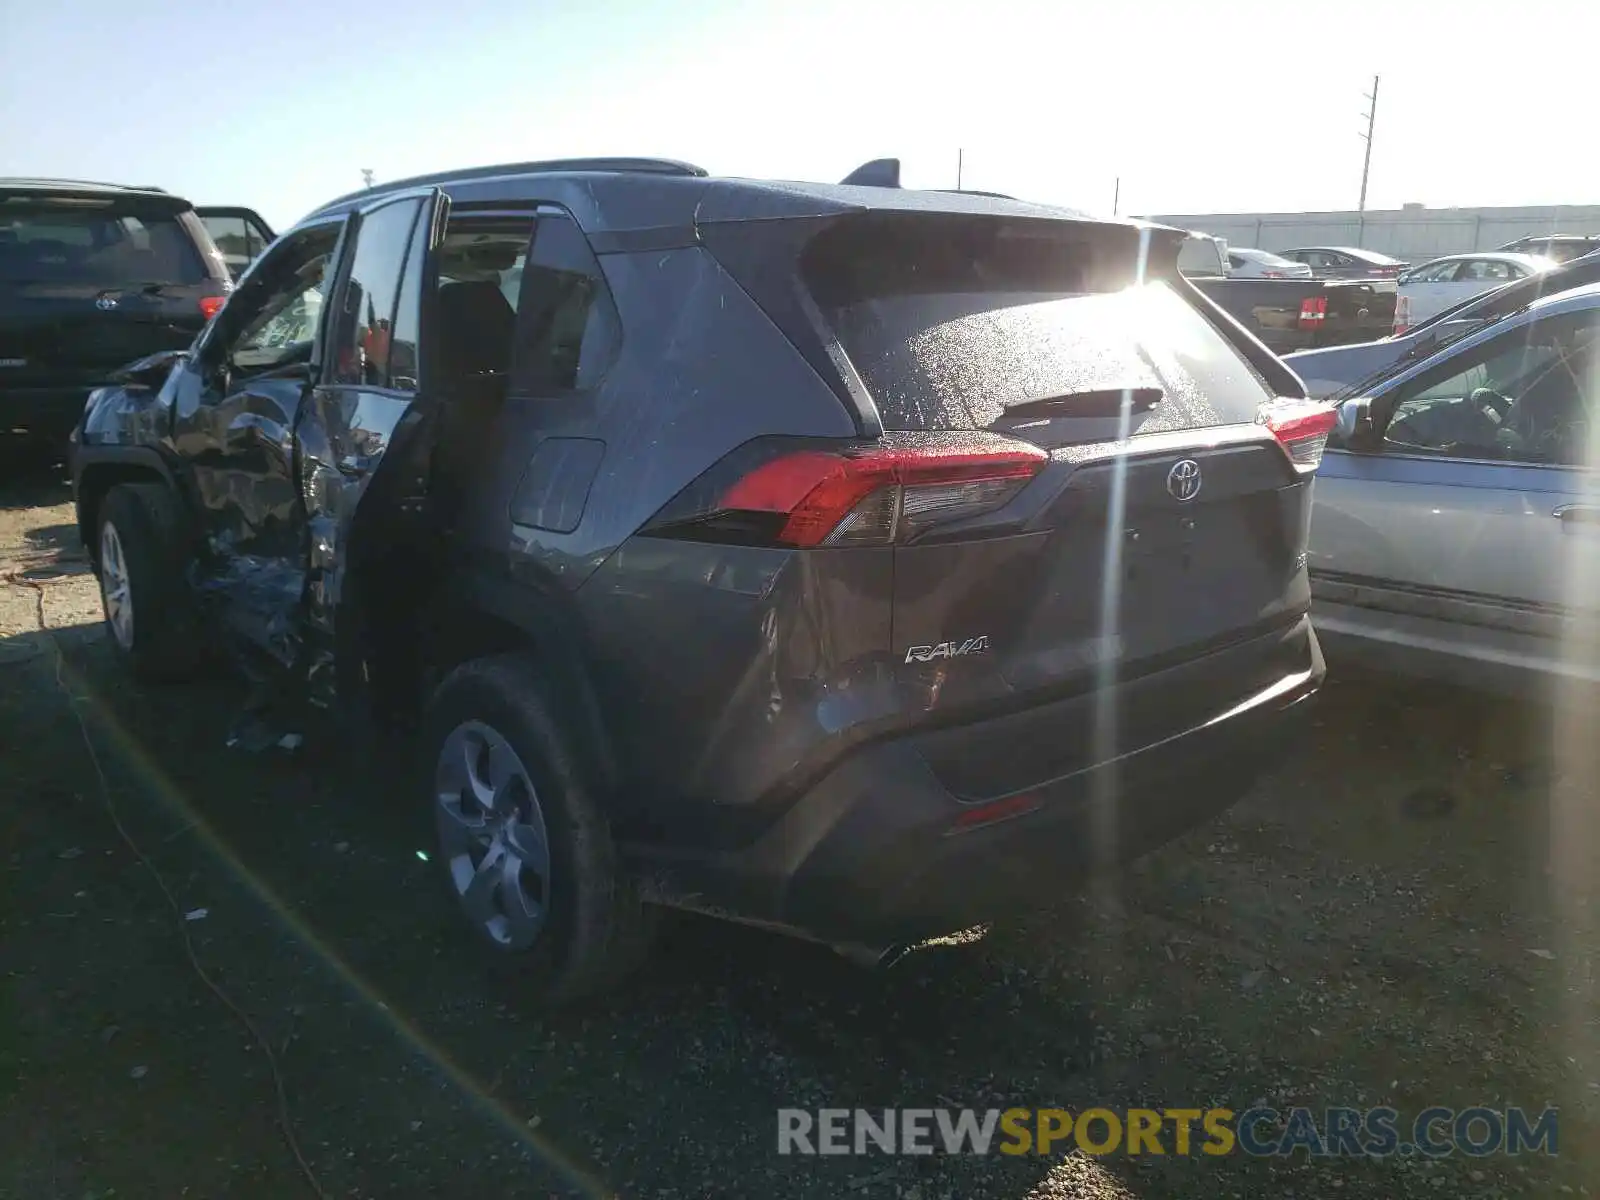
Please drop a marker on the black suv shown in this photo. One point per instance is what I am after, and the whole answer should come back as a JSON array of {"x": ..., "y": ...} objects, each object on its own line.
[
  {"x": 853, "y": 561},
  {"x": 92, "y": 275}
]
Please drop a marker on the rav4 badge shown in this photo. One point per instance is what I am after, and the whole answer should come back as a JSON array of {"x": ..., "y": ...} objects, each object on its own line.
[{"x": 922, "y": 654}]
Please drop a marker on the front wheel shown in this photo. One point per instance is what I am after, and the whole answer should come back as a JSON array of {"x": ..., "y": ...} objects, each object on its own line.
[
  {"x": 141, "y": 557},
  {"x": 525, "y": 849}
]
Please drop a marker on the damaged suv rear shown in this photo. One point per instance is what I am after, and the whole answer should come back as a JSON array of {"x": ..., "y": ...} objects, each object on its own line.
[{"x": 858, "y": 562}]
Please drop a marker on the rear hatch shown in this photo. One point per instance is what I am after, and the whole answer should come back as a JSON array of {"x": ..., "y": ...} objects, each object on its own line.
[
  {"x": 92, "y": 280},
  {"x": 1079, "y": 482}
]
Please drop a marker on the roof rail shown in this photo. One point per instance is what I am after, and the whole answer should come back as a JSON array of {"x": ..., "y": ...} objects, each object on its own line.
[
  {"x": 85, "y": 183},
  {"x": 643, "y": 166}
]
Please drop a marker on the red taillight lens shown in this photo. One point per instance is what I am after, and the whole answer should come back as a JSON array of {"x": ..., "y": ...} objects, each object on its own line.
[
  {"x": 209, "y": 305},
  {"x": 1313, "y": 311},
  {"x": 980, "y": 815},
  {"x": 878, "y": 494},
  {"x": 1301, "y": 427}
]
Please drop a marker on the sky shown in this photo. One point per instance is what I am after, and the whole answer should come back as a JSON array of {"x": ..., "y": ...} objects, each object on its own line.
[{"x": 1224, "y": 106}]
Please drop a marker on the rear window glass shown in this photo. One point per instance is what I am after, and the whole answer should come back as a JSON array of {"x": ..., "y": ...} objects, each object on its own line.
[
  {"x": 947, "y": 334},
  {"x": 93, "y": 243}
]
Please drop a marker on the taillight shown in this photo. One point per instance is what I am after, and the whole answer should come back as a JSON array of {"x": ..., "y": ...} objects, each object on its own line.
[
  {"x": 858, "y": 494},
  {"x": 1313, "y": 312},
  {"x": 994, "y": 811},
  {"x": 1301, "y": 427},
  {"x": 209, "y": 305}
]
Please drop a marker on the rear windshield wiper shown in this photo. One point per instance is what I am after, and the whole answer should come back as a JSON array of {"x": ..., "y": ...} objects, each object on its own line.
[{"x": 1101, "y": 402}]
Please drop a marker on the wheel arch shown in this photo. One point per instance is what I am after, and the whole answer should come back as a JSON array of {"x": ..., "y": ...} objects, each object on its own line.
[
  {"x": 475, "y": 616},
  {"x": 97, "y": 472}
]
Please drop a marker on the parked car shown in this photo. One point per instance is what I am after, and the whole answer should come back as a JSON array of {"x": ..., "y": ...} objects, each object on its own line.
[
  {"x": 239, "y": 234},
  {"x": 1287, "y": 314},
  {"x": 1443, "y": 283},
  {"x": 708, "y": 581},
  {"x": 1457, "y": 525},
  {"x": 1245, "y": 263},
  {"x": 1298, "y": 314},
  {"x": 1346, "y": 262},
  {"x": 1333, "y": 369},
  {"x": 91, "y": 276},
  {"x": 1563, "y": 247}
]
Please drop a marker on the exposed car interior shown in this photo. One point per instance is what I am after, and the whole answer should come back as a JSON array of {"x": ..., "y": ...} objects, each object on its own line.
[
  {"x": 1530, "y": 402},
  {"x": 480, "y": 276},
  {"x": 281, "y": 309}
]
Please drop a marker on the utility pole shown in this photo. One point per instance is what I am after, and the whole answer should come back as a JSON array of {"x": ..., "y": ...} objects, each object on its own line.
[
  {"x": 366, "y": 177},
  {"x": 1366, "y": 164},
  {"x": 960, "y": 154},
  {"x": 1116, "y": 196}
]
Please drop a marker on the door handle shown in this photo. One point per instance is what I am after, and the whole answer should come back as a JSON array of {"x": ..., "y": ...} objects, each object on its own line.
[{"x": 1577, "y": 514}]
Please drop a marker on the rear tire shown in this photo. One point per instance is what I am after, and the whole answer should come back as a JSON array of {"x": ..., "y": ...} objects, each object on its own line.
[
  {"x": 140, "y": 555},
  {"x": 525, "y": 849}
]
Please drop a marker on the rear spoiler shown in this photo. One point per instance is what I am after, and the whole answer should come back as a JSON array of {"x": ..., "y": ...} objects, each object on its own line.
[
  {"x": 1283, "y": 381},
  {"x": 86, "y": 198}
]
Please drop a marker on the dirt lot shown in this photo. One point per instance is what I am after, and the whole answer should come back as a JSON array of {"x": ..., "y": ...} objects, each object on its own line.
[{"x": 1404, "y": 916}]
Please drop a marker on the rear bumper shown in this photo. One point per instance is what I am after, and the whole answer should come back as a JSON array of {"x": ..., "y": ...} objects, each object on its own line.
[
  {"x": 871, "y": 853},
  {"x": 43, "y": 411}
]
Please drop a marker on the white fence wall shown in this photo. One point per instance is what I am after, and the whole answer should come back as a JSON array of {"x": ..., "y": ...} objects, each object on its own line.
[{"x": 1413, "y": 234}]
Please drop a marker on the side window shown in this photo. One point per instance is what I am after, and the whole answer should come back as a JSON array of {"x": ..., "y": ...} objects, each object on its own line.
[
  {"x": 568, "y": 331},
  {"x": 1314, "y": 259},
  {"x": 1477, "y": 270},
  {"x": 237, "y": 238},
  {"x": 365, "y": 329},
  {"x": 1527, "y": 396},
  {"x": 1438, "y": 273},
  {"x": 273, "y": 322}
]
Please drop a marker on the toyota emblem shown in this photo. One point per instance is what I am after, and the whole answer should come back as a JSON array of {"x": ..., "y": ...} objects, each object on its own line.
[
  {"x": 1183, "y": 481},
  {"x": 106, "y": 303}
]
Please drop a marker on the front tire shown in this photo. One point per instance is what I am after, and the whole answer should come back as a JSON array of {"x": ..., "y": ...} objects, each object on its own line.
[
  {"x": 141, "y": 556},
  {"x": 525, "y": 848}
]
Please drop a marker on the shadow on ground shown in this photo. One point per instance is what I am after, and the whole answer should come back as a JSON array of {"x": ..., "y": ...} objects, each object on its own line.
[{"x": 1330, "y": 942}]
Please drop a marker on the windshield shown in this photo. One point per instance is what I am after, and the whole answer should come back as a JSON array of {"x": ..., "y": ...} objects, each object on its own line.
[{"x": 97, "y": 243}]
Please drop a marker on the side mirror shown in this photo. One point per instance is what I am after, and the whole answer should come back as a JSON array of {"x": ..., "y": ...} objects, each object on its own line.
[{"x": 1353, "y": 428}]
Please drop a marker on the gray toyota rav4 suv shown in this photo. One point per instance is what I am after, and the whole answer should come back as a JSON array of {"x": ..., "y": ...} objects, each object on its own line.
[{"x": 855, "y": 561}]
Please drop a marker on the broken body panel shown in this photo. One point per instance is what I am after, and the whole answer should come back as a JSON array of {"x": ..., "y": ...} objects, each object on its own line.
[{"x": 275, "y": 468}]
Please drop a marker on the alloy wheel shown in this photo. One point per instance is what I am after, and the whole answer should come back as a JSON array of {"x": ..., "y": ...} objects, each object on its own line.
[
  {"x": 492, "y": 835},
  {"x": 116, "y": 592}
]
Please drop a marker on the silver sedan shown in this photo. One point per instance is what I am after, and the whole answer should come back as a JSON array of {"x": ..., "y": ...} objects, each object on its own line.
[{"x": 1456, "y": 530}]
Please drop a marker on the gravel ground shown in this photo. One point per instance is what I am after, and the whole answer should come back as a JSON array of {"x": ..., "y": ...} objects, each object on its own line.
[{"x": 1404, "y": 915}]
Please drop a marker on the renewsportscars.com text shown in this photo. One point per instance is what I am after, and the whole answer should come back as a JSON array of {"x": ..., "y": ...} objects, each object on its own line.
[{"x": 1334, "y": 1132}]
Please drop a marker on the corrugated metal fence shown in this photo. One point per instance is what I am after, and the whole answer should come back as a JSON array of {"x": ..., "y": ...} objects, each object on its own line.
[{"x": 1414, "y": 234}]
